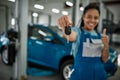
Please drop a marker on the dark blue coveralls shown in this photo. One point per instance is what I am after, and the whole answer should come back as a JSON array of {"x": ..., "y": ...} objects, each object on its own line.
[{"x": 88, "y": 64}]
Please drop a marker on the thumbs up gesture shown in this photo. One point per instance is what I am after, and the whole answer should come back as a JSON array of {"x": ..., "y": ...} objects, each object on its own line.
[{"x": 105, "y": 39}]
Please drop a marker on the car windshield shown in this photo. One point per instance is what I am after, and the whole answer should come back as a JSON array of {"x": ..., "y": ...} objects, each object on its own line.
[
  {"x": 57, "y": 30},
  {"x": 39, "y": 33}
]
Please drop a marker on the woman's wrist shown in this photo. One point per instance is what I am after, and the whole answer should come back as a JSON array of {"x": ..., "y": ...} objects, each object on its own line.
[
  {"x": 105, "y": 48},
  {"x": 105, "y": 54}
]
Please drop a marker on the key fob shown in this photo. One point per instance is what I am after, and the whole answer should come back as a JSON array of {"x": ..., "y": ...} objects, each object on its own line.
[{"x": 67, "y": 30}]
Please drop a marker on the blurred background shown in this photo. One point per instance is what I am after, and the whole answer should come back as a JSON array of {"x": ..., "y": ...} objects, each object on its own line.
[{"x": 28, "y": 29}]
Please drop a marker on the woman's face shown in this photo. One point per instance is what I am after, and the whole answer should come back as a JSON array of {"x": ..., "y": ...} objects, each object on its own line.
[{"x": 91, "y": 19}]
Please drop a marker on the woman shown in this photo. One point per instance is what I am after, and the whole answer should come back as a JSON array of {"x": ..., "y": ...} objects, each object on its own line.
[{"x": 91, "y": 49}]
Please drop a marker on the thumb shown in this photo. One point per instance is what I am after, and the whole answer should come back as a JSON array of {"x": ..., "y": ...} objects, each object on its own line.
[{"x": 104, "y": 31}]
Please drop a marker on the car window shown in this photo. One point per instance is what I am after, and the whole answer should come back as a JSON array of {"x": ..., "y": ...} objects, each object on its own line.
[
  {"x": 42, "y": 34},
  {"x": 58, "y": 31}
]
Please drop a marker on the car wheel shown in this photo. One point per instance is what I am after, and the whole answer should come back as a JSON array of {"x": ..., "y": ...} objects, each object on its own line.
[
  {"x": 65, "y": 69},
  {"x": 4, "y": 55}
]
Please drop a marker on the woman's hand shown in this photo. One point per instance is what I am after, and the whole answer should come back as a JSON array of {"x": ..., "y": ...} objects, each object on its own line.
[
  {"x": 105, "y": 52},
  {"x": 64, "y": 21}
]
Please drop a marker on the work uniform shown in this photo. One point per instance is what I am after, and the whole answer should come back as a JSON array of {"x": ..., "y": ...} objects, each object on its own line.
[{"x": 87, "y": 62}]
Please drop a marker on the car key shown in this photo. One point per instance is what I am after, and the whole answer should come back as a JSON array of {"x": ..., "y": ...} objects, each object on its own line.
[{"x": 67, "y": 32}]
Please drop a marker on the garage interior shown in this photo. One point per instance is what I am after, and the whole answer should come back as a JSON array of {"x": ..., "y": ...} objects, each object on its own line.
[{"x": 17, "y": 14}]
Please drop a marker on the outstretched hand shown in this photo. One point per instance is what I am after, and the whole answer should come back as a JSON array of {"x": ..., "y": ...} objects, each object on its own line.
[{"x": 64, "y": 21}]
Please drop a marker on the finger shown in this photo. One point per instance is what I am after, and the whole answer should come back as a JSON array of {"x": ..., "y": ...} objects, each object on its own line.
[
  {"x": 59, "y": 22},
  {"x": 68, "y": 21},
  {"x": 63, "y": 21},
  {"x": 66, "y": 17},
  {"x": 104, "y": 31}
]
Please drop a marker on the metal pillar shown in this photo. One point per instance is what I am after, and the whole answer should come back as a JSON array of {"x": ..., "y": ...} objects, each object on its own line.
[
  {"x": 15, "y": 64},
  {"x": 77, "y": 15},
  {"x": 21, "y": 16},
  {"x": 23, "y": 22},
  {"x": 76, "y": 12},
  {"x": 100, "y": 25}
]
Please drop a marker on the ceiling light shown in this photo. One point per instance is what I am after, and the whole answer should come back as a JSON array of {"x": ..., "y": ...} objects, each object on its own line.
[
  {"x": 64, "y": 12},
  {"x": 38, "y": 6},
  {"x": 12, "y": 0},
  {"x": 81, "y": 7},
  {"x": 55, "y": 10},
  {"x": 13, "y": 21},
  {"x": 35, "y": 14},
  {"x": 69, "y": 3}
]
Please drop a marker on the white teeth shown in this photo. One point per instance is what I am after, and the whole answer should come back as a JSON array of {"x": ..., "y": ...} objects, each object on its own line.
[{"x": 91, "y": 24}]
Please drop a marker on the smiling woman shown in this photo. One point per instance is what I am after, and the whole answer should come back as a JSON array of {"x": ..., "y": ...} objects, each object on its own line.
[{"x": 89, "y": 47}]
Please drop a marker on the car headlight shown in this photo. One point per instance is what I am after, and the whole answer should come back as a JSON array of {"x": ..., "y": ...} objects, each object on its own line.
[{"x": 4, "y": 41}]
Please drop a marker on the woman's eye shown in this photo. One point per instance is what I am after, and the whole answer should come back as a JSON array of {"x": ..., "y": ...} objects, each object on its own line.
[
  {"x": 92, "y": 17},
  {"x": 89, "y": 17},
  {"x": 95, "y": 18}
]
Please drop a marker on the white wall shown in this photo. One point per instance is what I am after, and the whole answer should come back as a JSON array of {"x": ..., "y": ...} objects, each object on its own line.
[{"x": 43, "y": 19}]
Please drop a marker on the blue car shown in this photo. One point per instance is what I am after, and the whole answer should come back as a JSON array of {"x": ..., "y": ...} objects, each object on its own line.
[
  {"x": 4, "y": 41},
  {"x": 48, "y": 48}
]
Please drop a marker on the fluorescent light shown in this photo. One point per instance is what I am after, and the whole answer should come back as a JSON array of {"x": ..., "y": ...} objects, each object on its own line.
[
  {"x": 12, "y": 0},
  {"x": 35, "y": 14},
  {"x": 69, "y": 3},
  {"x": 64, "y": 12},
  {"x": 38, "y": 6},
  {"x": 55, "y": 10},
  {"x": 81, "y": 8},
  {"x": 13, "y": 21}
]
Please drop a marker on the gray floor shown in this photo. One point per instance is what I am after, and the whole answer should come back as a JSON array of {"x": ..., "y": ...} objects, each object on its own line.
[
  {"x": 6, "y": 72},
  {"x": 116, "y": 76}
]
